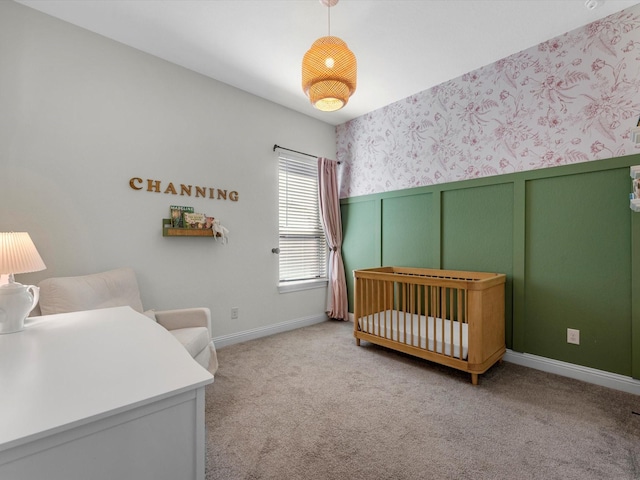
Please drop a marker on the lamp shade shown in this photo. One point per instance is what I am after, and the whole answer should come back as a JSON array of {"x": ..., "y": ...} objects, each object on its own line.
[
  {"x": 329, "y": 74},
  {"x": 18, "y": 254}
]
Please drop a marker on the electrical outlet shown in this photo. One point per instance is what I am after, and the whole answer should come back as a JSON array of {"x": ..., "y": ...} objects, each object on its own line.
[
  {"x": 573, "y": 336},
  {"x": 234, "y": 313}
]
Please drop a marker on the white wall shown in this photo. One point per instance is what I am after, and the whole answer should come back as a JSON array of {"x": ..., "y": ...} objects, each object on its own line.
[{"x": 81, "y": 114}]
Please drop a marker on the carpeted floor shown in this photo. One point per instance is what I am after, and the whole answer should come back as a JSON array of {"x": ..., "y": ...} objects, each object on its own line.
[{"x": 308, "y": 404}]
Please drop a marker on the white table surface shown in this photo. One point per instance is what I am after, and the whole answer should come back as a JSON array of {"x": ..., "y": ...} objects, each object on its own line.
[{"x": 66, "y": 370}]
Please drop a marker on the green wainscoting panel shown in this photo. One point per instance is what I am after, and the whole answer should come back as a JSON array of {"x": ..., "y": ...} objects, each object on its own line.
[
  {"x": 360, "y": 238},
  {"x": 565, "y": 237},
  {"x": 477, "y": 235},
  {"x": 409, "y": 238},
  {"x": 578, "y": 269}
]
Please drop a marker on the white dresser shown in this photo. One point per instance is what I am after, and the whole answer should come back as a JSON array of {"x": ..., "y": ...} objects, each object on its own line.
[{"x": 100, "y": 395}]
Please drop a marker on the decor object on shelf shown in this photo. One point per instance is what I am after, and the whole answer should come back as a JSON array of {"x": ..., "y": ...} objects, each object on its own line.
[
  {"x": 329, "y": 70},
  {"x": 18, "y": 254},
  {"x": 177, "y": 215},
  {"x": 219, "y": 229}
]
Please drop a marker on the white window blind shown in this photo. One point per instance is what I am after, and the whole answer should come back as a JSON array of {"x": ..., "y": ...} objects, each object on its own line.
[{"x": 303, "y": 247}]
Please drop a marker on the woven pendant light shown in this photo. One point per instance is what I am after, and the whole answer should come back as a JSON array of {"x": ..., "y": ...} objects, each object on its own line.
[{"x": 329, "y": 71}]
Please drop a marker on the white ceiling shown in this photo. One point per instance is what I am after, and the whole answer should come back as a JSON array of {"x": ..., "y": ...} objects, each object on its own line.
[{"x": 402, "y": 46}]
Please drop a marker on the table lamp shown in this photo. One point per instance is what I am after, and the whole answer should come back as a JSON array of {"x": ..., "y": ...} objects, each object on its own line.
[{"x": 18, "y": 254}]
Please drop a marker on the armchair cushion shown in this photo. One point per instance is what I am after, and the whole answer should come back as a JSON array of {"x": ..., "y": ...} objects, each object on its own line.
[
  {"x": 184, "y": 317},
  {"x": 194, "y": 339},
  {"x": 116, "y": 288},
  {"x": 191, "y": 326}
]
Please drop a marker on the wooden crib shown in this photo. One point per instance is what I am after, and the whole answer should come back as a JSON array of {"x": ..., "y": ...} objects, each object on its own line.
[{"x": 450, "y": 317}]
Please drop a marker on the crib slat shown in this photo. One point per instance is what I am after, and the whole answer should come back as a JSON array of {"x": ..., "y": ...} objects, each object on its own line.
[
  {"x": 404, "y": 312},
  {"x": 460, "y": 321},
  {"x": 443, "y": 302},
  {"x": 380, "y": 307},
  {"x": 434, "y": 314},
  {"x": 385, "y": 308},
  {"x": 397, "y": 292},
  {"x": 365, "y": 303},
  {"x": 412, "y": 300},
  {"x": 376, "y": 319},
  {"x": 406, "y": 315},
  {"x": 409, "y": 330},
  {"x": 420, "y": 294},
  {"x": 407, "y": 312},
  {"x": 450, "y": 318},
  {"x": 370, "y": 291}
]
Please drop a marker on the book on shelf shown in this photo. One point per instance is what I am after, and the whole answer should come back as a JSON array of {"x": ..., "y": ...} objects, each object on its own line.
[
  {"x": 177, "y": 215},
  {"x": 194, "y": 220}
]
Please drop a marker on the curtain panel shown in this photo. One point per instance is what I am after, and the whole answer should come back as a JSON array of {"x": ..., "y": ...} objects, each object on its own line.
[{"x": 337, "y": 301}]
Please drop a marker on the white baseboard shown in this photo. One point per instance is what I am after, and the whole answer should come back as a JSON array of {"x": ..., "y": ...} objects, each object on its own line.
[
  {"x": 255, "y": 333},
  {"x": 578, "y": 372}
]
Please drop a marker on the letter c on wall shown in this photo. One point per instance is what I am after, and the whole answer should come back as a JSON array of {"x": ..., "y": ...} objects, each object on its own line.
[{"x": 133, "y": 181}]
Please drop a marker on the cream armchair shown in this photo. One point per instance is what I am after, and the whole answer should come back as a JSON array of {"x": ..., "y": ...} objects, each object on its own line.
[{"x": 119, "y": 287}]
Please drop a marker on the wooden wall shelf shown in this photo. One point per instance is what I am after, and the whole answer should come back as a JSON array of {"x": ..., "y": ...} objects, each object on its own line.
[{"x": 168, "y": 231}]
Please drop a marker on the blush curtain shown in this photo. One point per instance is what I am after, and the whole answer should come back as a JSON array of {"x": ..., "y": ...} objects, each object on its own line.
[{"x": 337, "y": 303}]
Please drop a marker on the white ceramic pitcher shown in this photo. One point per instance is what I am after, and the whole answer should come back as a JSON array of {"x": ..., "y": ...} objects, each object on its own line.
[{"x": 16, "y": 301}]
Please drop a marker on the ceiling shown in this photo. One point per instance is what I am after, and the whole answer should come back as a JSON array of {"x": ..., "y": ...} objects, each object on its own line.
[{"x": 402, "y": 46}]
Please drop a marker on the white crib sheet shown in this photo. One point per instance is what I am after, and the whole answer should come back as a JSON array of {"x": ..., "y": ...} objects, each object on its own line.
[{"x": 392, "y": 327}]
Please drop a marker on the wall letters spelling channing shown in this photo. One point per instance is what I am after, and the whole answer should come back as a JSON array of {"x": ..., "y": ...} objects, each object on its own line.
[{"x": 184, "y": 190}]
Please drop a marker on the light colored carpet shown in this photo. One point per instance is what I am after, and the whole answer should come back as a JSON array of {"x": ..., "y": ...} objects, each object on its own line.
[{"x": 309, "y": 404}]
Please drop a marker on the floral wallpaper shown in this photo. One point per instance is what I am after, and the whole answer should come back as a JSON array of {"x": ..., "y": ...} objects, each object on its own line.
[{"x": 572, "y": 99}]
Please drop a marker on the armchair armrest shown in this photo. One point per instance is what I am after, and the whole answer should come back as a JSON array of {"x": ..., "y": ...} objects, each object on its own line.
[{"x": 184, "y": 318}]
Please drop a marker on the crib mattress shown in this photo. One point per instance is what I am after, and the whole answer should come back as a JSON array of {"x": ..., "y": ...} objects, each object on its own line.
[{"x": 418, "y": 331}]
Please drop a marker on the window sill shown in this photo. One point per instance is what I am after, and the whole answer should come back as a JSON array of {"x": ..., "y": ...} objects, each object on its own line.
[{"x": 302, "y": 285}]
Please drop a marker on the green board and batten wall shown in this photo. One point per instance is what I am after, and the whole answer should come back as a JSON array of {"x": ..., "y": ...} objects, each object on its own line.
[{"x": 565, "y": 237}]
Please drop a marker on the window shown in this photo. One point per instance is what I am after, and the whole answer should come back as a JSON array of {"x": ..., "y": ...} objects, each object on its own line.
[{"x": 303, "y": 247}]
